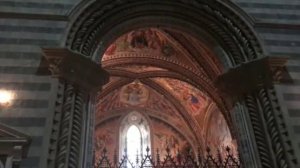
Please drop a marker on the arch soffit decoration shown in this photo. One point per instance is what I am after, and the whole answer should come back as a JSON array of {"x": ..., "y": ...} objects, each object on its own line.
[{"x": 219, "y": 18}]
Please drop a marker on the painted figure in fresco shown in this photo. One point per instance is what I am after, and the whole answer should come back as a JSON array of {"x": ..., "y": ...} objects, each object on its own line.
[
  {"x": 138, "y": 39},
  {"x": 134, "y": 94},
  {"x": 103, "y": 140},
  {"x": 153, "y": 39},
  {"x": 149, "y": 40},
  {"x": 167, "y": 141},
  {"x": 193, "y": 102}
]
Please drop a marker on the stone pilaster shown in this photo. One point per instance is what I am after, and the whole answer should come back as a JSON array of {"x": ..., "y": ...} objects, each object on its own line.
[
  {"x": 263, "y": 136},
  {"x": 79, "y": 79}
]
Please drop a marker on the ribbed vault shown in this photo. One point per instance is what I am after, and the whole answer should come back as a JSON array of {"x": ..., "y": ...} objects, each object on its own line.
[{"x": 168, "y": 76}]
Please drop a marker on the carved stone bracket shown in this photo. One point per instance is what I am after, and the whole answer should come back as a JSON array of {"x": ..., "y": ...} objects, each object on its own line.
[
  {"x": 246, "y": 77},
  {"x": 75, "y": 69}
]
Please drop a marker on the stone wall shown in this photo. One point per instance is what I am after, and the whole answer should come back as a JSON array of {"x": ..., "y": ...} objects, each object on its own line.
[
  {"x": 26, "y": 26},
  {"x": 278, "y": 25}
]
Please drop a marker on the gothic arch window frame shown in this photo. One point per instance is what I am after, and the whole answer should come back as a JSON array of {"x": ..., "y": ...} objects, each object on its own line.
[{"x": 142, "y": 123}]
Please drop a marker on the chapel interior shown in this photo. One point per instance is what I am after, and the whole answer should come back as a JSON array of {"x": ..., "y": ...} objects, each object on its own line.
[{"x": 148, "y": 89}]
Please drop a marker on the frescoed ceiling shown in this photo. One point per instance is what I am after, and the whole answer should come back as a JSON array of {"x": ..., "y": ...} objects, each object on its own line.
[
  {"x": 156, "y": 73},
  {"x": 140, "y": 68},
  {"x": 192, "y": 98},
  {"x": 136, "y": 96},
  {"x": 148, "y": 43}
]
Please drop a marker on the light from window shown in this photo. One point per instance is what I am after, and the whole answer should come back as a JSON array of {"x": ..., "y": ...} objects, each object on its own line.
[{"x": 134, "y": 144}]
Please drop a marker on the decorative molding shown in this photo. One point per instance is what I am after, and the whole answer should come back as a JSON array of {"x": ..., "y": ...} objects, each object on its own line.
[
  {"x": 278, "y": 70},
  {"x": 14, "y": 145},
  {"x": 278, "y": 133},
  {"x": 260, "y": 135},
  {"x": 55, "y": 129},
  {"x": 67, "y": 124},
  {"x": 233, "y": 32},
  {"x": 246, "y": 77},
  {"x": 271, "y": 135},
  {"x": 71, "y": 124},
  {"x": 68, "y": 65},
  {"x": 147, "y": 74}
]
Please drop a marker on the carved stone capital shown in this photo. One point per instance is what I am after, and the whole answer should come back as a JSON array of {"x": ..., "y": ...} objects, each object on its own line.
[
  {"x": 252, "y": 75},
  {"x": 75, "y": 69}
]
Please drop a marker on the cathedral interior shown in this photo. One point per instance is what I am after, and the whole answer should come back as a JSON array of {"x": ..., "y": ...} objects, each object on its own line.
[
  {"x": 149, "y": 83},
  {"x": 154, "y": 74}
]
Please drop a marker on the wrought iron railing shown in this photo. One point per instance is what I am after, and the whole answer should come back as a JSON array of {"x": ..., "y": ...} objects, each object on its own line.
[{"x": 209, "y": 160}]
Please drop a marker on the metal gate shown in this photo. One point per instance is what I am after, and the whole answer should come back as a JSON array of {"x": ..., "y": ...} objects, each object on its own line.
[{"x": 188, "y": 160}]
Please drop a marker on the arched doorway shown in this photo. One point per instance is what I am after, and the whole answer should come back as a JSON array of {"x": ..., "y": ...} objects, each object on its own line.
[{"x": 223, "y": 36}]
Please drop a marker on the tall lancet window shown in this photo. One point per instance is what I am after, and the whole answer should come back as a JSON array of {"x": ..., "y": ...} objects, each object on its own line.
[
  {"x": 134, "y": 136},
  {"x": 133, "y": 142}
]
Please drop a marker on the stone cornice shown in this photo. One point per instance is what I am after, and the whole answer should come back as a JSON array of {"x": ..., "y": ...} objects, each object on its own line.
[
  {"x": 250, "y": 76},
  {"x": 75, "y": 68}
]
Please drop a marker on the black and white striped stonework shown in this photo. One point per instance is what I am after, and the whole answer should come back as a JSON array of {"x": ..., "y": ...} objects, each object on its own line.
[
  {"x": 28, "y": 25},
  {"x": 281, "y": 36},
  {"x": 25, "y": 27}
]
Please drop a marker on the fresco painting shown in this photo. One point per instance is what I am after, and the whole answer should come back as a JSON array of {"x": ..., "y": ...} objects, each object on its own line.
[
  {"x": 134, "y": 94},
  {"x": 141, "y": 68},
  {"x": 218, "y": 134},
  {"x": 164, "y": 136},
  {"x": 137, "y": 95},
  {"x": 194, "y": 100},
  {"x": 147, "y": 40},
  {"x": 109, "y": 103},
  {"x": 106, "y": 137}
]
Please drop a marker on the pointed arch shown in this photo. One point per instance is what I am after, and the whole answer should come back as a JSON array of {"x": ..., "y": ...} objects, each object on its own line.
[{"x": 139, "y": 121}]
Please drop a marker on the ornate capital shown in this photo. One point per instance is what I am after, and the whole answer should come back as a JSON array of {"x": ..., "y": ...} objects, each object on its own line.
[
  {"x": 249, "y": 76},
  {"x": 75, "y": 68}
]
